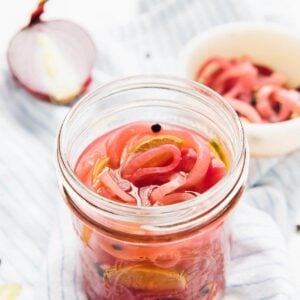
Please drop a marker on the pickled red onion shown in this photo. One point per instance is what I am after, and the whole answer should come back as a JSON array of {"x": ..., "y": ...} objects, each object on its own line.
[
  {"x": 255, "y": 91},
  {"x": 268, "y": 96},
  {"x": 216, "y": 171},
  {"x": 189, "y": 157},
  {"x": 218, "y": 64},
  {"x": 108, "y": 181},
  {"x": 199, "y": 170},
  {"x": 117, "y": 142},
  {"x": 136, "y": 165},
  {"x": 135, "y": 169},
  {"x": 245, "y": 110},
  {"x": 291, "y": 98},
  {"x": 275, "y": 79},
  {"x": 175, "y": 198},
  {"x": 177, "y": 180},
  {"x": 244, "y": 75}
]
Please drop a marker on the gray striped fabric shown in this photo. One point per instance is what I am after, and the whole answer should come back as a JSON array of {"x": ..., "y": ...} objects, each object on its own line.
[{"x": 37, "y": 245}]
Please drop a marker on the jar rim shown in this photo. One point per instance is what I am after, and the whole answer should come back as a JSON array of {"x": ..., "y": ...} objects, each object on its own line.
[{"x": 134, "y": 82}]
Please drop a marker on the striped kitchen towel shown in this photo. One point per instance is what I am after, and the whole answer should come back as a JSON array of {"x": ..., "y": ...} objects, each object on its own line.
[{"x": 37, "y": 244}]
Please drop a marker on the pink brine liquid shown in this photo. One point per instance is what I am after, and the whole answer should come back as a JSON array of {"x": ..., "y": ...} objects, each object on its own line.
[{"x": 150, "y": 164}]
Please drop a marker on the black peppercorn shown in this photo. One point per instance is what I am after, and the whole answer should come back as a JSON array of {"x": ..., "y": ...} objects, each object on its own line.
[
  {"x": 117, "y": 247},
  {"x": 156, "y": 128},
  {"x": 204, "y": 291},
  {"x": 253, "y": 101},
  {"x": 100, "y": 271}
]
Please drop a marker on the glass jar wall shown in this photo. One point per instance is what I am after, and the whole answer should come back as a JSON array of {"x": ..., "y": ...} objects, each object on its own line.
[{"x": 177, "y": 251}]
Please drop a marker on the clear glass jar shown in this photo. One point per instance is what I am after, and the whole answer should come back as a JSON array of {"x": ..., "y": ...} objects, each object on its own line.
[{"x": 179, "y": 251}]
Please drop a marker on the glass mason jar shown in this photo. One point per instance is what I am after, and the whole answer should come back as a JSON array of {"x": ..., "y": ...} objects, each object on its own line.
[{"x": 178, "y": 251}]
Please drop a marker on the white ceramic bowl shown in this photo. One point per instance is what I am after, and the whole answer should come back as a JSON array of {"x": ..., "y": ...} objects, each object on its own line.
[{"x": 266, "y": 44}]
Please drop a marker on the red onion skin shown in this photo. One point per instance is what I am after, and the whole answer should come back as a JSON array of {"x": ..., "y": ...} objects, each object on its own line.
[
  {"x": 46, "y": 97},
  {"x": 35, "y": 16},
  {"x": 263, "y": 70}
]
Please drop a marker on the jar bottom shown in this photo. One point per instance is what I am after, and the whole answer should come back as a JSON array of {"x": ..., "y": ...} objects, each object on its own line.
[
  {"x": 198, "y": 275},
  {"x": 120, "y": 292}
]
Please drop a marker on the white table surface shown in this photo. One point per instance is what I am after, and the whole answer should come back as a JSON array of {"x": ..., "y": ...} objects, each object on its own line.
[{"x": 91, "y": 14}]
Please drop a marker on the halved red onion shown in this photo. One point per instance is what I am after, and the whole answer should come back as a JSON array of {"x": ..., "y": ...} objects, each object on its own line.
[{"x": 52, "y": 59}]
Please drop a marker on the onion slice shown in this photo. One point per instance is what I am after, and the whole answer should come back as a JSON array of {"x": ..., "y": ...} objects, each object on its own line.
[
  {"x": 108, "y": 181},
  {"x": 200, "y": 166},
  {"x": 269, "y": 96},
  {"x": 52, "y": 59},
  {"x": 116, "y": 144},
  {"x": 177, "y": 180},
  {"x": 199, "y": 170},
  {"x": 138, "y": 167},
  {"x": 176, "y": 198},
  {"x": 245, "y": 110}
]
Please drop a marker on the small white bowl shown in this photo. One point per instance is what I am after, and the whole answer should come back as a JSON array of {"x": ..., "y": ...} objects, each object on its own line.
[{"x": 266, "y": 44}]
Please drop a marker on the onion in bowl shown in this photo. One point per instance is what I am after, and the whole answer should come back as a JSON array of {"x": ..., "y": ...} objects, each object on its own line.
[
  {"x": 256, "y": 92},
  {"x": 268, "y": 45}
]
